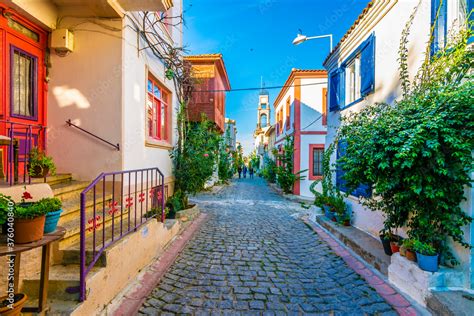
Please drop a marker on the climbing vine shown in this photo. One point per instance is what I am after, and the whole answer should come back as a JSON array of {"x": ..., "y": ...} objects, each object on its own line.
[{"x": 417, "y": 153}]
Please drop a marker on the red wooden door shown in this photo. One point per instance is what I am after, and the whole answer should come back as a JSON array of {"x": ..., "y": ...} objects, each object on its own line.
[{"x": 22, "y": 84}]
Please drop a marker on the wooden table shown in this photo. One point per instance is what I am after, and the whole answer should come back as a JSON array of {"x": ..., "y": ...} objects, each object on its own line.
[{"x": 45, "y": 243}]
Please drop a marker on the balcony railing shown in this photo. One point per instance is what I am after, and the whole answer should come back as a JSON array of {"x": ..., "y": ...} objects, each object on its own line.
[
  {"x": 114, "y": 205},
  {"x": 21, "y": 138}
]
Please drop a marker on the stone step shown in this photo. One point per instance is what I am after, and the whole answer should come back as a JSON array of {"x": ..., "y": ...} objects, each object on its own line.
[
  {"x": 451, "y": 303},
  {"x": 63, "y": 283},
  {"x": 72, "y": 208},
  {"x": 69, "y": 190},
  {"x": 73, "y": 228},
  {"x": 366, "y": 246},
  {"x": 56, "y": 307},
  {"x": 57, "y": 179}
]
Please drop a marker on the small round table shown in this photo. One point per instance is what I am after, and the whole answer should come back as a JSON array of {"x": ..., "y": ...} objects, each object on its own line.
[{"x": 16, "y": 251}]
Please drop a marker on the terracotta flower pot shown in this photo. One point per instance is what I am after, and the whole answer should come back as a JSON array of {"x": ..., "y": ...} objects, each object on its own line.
[
  {"x": 19, "y": 301},
  {"x": 394, "y": 246},
  {"x": 411, "y": 255},
  {"x": 29, "y": 230}
]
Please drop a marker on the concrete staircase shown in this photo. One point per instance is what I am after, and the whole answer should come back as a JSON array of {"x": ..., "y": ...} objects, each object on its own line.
[
  {"x": 64, "y": 273},
  {"x": 64, "y": 276}
]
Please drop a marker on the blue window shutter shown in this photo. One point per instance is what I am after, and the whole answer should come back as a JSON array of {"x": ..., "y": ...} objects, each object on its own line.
[
  {"x": 367, "y": 66},
  {"x": 333, "y": 90},
  {"x": 440, "y": 25},
  {"x": 363, "y": 189},
  {"x": 341, "y": 151}
]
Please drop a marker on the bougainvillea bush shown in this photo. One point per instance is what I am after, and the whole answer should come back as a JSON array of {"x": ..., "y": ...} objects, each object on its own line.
[{"x": 417, "y": 153}]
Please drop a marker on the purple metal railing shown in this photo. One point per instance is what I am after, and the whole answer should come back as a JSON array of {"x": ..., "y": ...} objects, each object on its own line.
[
  {"x": 114, "y": 205},
  {"x": 23, "y": 138}
]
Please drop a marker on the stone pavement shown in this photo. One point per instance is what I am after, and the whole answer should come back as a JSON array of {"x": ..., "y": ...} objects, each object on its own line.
[{"x": 252, "y": 257}]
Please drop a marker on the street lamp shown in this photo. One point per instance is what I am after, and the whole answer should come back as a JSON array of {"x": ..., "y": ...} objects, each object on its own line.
[{"x": 300, "y": 38}]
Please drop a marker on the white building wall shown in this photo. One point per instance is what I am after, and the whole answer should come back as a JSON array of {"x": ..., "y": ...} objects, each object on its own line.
[
  {"x": 137, "y": 152},
  {"x": 388, "y": 29},
  {"x": 311, "y": 121},
  {"x": 282, "y": 105},
  {"x": 312, "y": 104},
  {"x": 85, "y": 87}
]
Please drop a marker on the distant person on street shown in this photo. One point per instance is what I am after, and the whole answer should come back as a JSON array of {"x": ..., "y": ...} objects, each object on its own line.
[
  {"x": 239, "y": 170},
  {"x": 245, "y": 171},
  {"x": 251, "y": 172}
]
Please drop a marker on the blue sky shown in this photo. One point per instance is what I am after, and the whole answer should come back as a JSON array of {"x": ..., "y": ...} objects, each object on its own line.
[{"x": 255, "y": 39}]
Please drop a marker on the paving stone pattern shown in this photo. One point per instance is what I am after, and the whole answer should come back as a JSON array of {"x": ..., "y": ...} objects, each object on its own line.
[{"x": 252, "y": 257}]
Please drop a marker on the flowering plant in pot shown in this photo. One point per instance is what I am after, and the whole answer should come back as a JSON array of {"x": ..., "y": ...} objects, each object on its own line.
[
  {"x": 52, "y": 208},
  {"x": 426, "y": 255},
  {"x": 29, "y": 220},
  {"x": 40, "y": 165}
]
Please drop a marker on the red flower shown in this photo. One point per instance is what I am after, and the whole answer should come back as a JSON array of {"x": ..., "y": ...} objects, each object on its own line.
[
  {"x": 206, "y": 155},
  {"x": 27, "y": 196}
]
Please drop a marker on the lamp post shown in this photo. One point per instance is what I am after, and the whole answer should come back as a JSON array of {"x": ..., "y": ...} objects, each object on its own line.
[{"x": 300, "y": 38}]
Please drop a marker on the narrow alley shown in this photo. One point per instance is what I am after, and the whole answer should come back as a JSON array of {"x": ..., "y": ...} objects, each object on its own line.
[{"x": 253, "y": 257}]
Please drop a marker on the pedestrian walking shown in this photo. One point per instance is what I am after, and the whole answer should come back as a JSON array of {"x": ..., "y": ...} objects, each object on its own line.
[
  {"x": 245, "y": 171},
  {"x": 251, "y": 171},
  {"x": 239, "y": 170}
]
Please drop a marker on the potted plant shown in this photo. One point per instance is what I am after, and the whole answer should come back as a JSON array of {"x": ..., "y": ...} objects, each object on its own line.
[
  {"x": 426, "y": 255},
  {"x": 9, "y": 309},
  {"x": 340, "y": 209},
  {"x": 40, "y": 165},
  {"x": 52, "y": 208},
  {"x": 408, "y": 245},
  {"x": 395, "y": 242},
  {"x": 328, "y": 206},
  {"x": 385, "y": 239},
  {"x": 29, "y": 220}
]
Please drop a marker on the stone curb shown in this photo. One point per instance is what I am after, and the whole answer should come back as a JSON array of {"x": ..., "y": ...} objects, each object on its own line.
[
  {"x": 383, "y": 288},
  {"x": 132, "y": 301}
]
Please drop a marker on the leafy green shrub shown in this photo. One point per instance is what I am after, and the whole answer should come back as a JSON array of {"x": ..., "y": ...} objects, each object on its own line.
[
  {"x": 269, "y": 170},
  {"x": 5, "y": 203},
  {"x": 194, "y": 162},
  {"x": 286, "y": 178},
  {"x": 417, "y": 153},
  {"x": 50, "y": 204},
  {"x": 424, "y": 248}
]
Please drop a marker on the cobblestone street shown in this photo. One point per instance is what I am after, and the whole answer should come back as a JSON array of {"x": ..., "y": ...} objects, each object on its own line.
[{"x": 252, "y": 257}]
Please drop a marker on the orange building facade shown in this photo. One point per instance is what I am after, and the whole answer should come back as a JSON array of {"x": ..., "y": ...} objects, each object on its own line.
[{"x": 209, "y": 95}]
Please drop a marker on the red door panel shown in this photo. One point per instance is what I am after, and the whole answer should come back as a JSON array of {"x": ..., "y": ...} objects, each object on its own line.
[{"x": 22, "y": 85}]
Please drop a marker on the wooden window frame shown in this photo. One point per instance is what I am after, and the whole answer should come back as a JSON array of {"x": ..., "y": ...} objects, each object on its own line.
[
  {"x": 312, "y": 176},
  {"x": 164, "y": 98}
]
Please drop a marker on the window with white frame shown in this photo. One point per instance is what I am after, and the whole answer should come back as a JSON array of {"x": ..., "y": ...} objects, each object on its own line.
[{"x": 353, "y": 80}]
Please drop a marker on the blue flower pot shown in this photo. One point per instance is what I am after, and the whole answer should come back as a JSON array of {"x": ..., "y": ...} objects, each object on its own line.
[
  {"x": 427, "y": 263},
  {"x": 52, "y": 219},
  {"x": 327, "y": 212}
]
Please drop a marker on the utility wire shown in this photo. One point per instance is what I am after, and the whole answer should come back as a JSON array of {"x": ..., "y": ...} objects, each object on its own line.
[
  {"x": 317, "y": 119},
  {"x": 265, "y": 88}
]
